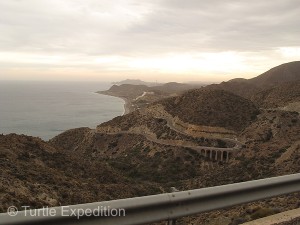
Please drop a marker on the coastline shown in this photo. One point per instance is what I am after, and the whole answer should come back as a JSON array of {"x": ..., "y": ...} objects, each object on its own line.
[{"x": 127, "y": 103}]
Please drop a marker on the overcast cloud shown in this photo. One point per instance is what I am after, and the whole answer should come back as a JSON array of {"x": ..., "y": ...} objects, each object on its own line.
[{"x": 183, "y": 40}]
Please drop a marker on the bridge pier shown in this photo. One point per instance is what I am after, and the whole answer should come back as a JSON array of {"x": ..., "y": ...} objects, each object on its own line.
[{"x": 216, "y": 154}]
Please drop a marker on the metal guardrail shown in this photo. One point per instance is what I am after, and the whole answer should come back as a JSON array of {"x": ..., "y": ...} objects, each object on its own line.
[{"x": 154, "y": 208}]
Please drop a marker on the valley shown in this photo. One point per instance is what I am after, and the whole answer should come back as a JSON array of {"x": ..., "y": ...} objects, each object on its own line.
[{"x": 183, "y": 136}]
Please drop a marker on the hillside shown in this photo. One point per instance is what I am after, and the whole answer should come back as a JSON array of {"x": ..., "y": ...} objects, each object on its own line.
[
  {"x": 287, "y": 72},
  {"x": 212, "y": 108},
  {"x": 241, "y": 88},
  {"x": 174, "y": 87},
  {"x": 277, "y": 87},
  {"x": 118, "y": 165},
  {"x": 136, "y": 82},
  {"x": 129, "y": 91},
  {"x": 37, "y": 174},
  {"x": 155, "y": 147},
  {"x": 139, "y": 96},
  {"x": 278, "y": 96},
  {"x": 271, "y": 149}
]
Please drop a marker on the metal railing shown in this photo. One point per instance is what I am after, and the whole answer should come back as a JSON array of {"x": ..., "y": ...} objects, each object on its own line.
[{"x": 154, "y": 208}]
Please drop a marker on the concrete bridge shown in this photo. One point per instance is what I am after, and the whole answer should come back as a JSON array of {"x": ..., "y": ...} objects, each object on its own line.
[{"x": 217, "y": 154}]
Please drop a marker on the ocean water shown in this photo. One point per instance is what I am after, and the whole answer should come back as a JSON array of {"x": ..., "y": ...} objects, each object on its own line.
[{"x": 45, "y": 109}]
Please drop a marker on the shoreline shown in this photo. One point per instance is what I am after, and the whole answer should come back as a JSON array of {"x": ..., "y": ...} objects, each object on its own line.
[
  {"x": 127, "y": 102},
  {"x": 126, "y": 106}
]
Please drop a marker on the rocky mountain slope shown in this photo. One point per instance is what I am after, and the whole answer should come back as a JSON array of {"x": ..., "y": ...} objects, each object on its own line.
[
  {"x": 37, "y": 174},
  {"x": 122, "y": 157},
  {"x": 271, "y": 149},
  {"x": 136, "y": 82},
  {"x": 287, "y": 72},
  {"x": 278, "y": 96},
  {"x": 212, "y": 108},
  {"x": 277, "y": 87},
  {"x": 241, "y": 88},
  {"x": 132, "y": 91},
  {"x": 139, "y": 96}
]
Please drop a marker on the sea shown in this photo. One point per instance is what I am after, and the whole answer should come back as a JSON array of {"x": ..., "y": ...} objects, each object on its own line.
[{"x": 45, "y": 109}]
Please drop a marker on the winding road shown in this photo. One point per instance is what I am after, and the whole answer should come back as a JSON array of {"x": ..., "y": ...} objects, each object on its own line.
[{"x": 214, "y": 153}]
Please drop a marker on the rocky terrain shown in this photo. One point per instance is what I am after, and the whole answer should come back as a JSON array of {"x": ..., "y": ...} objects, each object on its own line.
[
  {"x": 37, "y": 174},
  {"x": 276, "y": 87},
  {"x": 278, "y": 96},
  {"x": 216, "y": 108},
  {"x": 135, "y": 154},
  {"x": 136, "y": 82},
  {"x": 236, "y": 86},
  {"x": 287, "y": 72},
  {"x": 140, "y": 94}
]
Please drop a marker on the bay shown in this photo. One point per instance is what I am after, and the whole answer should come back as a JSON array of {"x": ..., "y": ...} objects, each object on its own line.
[{"x": 45, "y": 109}]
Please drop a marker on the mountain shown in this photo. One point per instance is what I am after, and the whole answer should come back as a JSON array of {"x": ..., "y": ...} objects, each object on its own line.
[
  {"x": 175, "y": 88},
  {"x": 139, "y": 96},
  {"x": 271, "y": 143},
  {"x": 277, "y": 87},
  {"x": 136, "y": 82},
  {"x": 155, "y": 147},
  {"x": 129, "y": 91},
  {"x": 239, "y": 80},
  {"x": 38, "y": 174},
  {"x": 212, "y": 108},
  {"x": 287, "y": 72},
  {"x": 278, "y": 96},
  {"x": 241, "y": 88},
  {"x": 132, "y": 91}
]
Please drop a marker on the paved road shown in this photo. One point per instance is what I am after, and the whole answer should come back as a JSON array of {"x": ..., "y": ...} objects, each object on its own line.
[{"x": 238, "y": 145}]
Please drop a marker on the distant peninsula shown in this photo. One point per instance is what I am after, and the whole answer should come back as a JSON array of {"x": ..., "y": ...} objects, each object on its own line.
[
  {"x": 137, "y": 82},
  {"x": 137, "y": 96}
]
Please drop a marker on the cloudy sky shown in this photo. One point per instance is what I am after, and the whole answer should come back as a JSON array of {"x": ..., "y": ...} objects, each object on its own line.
[{"x": 164, "y": 40}]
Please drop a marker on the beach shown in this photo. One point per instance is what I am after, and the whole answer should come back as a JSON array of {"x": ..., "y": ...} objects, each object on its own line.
[{"x": 127, "y": 102}]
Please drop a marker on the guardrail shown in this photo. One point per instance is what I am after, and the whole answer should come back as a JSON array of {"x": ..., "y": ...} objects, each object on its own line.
[{"x": 154, "y": 208}]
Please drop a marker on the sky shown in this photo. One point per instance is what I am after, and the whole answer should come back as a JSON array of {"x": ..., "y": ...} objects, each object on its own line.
[{"x": 152, "y": 40}]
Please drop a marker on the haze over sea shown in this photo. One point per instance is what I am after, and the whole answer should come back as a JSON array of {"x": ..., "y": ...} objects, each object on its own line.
[{"x": 45, "y": 109}]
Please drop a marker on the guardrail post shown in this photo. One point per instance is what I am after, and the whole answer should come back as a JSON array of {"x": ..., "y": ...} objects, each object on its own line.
[{"x": 172, "y": 221}]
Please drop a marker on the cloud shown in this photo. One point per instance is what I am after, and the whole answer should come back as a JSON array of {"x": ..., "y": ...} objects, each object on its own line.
[
  {"x": 126, "y": 34},
  {"x": 221, "y": 25}
]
